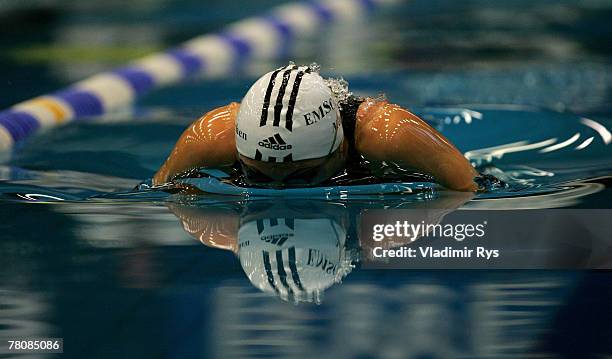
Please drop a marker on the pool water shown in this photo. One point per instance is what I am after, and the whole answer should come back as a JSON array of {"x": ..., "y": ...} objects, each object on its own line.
[{"x": 124, "y": 273}]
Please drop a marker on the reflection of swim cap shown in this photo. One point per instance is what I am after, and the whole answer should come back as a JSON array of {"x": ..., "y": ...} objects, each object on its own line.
[
  {"x": 288, "y": 115},
  {"x": 295, "y": 258}
]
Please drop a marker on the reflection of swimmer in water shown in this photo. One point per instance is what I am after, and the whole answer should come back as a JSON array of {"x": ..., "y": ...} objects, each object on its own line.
[
  {"x": 295, "y": 249},
  {"x": 289, "y": 250},
  {"x": 291, "y": 129}
]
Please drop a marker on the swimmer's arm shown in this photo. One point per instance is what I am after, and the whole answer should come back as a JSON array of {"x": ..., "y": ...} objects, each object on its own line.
[
  {"x": 387, "y": 132},
  {"x": 213, "y": 227},
  {"x": 209, "y": 141}
]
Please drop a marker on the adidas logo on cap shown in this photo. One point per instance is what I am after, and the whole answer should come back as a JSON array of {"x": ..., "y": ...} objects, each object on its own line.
[{"x": 275, "y": 142}]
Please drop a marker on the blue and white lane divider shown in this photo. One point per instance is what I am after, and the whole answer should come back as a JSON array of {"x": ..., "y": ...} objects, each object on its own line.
[{"x": 253, "y": 38}]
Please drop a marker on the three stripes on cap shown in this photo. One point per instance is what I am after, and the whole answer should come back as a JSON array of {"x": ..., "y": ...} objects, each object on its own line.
[
  {"x": 279, "y": 99},
  {"x": 293, "y": 98},
  {"x": 278, "y": 107},
  {"x": 266, "y": 103}
]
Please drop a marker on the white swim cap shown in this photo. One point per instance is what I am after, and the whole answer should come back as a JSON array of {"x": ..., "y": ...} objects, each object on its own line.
[
  {"x": 288, "y": 115},
  {"x": 297, "y": 259}
]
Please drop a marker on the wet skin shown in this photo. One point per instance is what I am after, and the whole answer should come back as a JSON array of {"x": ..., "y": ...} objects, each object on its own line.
[
  {"x": 207, "y": 142},
  {"x": 388, "y": 132},
  {"x": 383, "y": 132}
]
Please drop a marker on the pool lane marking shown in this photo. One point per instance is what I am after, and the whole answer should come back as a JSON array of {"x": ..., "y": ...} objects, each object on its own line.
[
  {"x": 300, "y": 17},
  {"x": 140, "y": 80},
  {"x": 60, "y": 111},
  {"x": 241, "y": 48},
  {"x": 6, "y": 140},
  {"x": 216, "y": 53},
  {"x": 345, "y": 9},
  {"x": 322, "y": 11},
  {"x": 282, "y": 28},
  {"x": 19, "y": 124},
  {"x": 162, "y": 67},
  {"x": 264, "y": 37},
  {"x": 111, "y": 90},
  {"x": 47, "y": 110},
  {"x": 83, "y": 103},
  {"x": 189, "y": 62}
]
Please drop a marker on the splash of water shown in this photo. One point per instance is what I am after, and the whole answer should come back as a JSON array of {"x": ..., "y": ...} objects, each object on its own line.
[{"x": 339, "y": 88}]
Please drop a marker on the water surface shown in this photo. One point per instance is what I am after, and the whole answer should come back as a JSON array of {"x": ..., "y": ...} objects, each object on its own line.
[{"x": 521, "y": 87}]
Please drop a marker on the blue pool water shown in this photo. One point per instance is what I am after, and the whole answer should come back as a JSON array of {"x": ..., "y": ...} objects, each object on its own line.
[{"x": 123, "y": 273}]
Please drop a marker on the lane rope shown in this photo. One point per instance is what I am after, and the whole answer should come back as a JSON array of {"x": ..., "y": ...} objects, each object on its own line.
[{"x": 261, "y": 37}]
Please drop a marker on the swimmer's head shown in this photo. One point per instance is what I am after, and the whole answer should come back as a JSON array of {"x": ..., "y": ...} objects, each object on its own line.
[{"x": 289, "y": 121}]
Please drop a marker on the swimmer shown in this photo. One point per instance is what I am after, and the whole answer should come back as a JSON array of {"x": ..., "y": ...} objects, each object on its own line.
[{"x": 291, "y": 129}]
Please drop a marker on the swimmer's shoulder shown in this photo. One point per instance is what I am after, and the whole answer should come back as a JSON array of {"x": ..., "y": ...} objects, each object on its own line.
[{"x": 208, "y": 142}]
